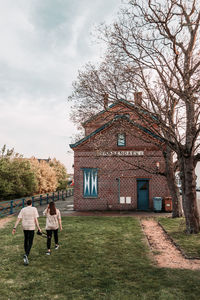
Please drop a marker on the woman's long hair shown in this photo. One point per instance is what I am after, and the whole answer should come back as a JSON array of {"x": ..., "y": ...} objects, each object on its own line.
[{"x": 52, "y": 208}]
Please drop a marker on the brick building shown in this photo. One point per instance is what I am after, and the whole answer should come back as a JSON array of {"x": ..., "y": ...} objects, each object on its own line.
[{"x": 116, "y": 161}]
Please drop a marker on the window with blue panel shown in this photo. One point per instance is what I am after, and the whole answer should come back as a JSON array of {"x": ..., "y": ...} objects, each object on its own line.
[
  {"x": 90, "y": 182},
  {"x": 121, "y": 139}
]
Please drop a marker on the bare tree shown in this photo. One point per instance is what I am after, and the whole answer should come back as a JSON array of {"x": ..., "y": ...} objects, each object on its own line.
[
  {"x": 116, "y": 80},
  {"x": 94, "y": 83},
  {"x": 161, "y": 40}
]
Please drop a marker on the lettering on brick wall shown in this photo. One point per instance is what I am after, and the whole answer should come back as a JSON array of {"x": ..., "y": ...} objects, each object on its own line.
[{"x": 121, "y": 153}]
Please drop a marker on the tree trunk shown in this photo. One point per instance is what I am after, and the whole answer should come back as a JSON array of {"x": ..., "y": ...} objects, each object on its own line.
[
  {"x": 171, "y": 181},
  {"x": 176, "y": 201},
  {"x": 188, "y": 179}
]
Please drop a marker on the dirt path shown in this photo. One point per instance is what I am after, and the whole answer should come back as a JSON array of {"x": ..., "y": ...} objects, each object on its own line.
[
  {"x": 5, "y": 221},
  {"x": 165, "y": 253}
]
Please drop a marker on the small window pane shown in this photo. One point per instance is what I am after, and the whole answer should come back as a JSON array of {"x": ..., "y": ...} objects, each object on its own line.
[
  {"x": 144, "y": 186},
  {"x": 121, "y": 140}
]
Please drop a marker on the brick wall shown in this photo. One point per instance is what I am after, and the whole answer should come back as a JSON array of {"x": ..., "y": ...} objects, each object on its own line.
[{"x": 124, "y": 167}]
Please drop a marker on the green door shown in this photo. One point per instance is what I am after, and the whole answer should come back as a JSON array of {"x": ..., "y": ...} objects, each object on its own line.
[{"x": 143, "y": 194}]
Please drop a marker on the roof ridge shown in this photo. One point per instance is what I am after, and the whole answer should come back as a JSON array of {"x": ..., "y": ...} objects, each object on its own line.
[{"x": 109, "y": 107}]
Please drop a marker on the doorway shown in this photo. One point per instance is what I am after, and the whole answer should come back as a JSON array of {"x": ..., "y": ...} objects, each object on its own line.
[{"x": 143, "y": 194}]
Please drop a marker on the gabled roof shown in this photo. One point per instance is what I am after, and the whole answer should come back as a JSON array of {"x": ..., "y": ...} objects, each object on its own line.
[
  {"x": 120, "y": 101},
  {"x": 106, "y": 125}
]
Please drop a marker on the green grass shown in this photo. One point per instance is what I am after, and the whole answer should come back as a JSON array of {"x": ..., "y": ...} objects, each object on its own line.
[
  {"x": 189, "y": 243},
  {"x": 98, "y": 258}
]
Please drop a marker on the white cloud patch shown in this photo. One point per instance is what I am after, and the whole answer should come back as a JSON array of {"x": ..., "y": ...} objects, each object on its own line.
[{"x": 43, "y": 43}]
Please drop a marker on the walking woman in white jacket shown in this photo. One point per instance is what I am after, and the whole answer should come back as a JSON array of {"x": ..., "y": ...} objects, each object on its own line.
[{"x": 53, "y": 222}]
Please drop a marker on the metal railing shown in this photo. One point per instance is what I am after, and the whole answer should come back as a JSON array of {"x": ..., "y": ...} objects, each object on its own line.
[{"x": 13, "y": 206}]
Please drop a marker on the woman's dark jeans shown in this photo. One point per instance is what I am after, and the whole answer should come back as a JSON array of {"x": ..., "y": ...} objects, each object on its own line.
[{"x": 49, "y": 236}]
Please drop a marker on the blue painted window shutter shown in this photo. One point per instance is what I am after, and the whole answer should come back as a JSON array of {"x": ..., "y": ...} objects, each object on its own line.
[{"x": 90, "y": 182}]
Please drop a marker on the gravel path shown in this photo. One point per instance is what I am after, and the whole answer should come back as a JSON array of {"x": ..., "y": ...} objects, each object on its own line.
[{"x": 165, "y": 253}]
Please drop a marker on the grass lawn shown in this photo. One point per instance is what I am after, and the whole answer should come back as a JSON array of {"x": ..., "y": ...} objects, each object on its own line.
[
  {"x": 98, "y": 258},
  {"x": 189, "y": 243}
]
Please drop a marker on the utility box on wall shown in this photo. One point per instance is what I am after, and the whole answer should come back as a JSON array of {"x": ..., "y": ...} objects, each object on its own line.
[{"x": 167, "y": 204}]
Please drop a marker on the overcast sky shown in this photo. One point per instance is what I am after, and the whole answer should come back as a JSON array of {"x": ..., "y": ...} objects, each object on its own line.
[{"x": 43, "y": 44}]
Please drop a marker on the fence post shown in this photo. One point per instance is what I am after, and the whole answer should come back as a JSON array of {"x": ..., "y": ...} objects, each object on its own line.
[
  {"x": 33, "y": 201},
  {"x": 47, "y": 198},
  {"x": 23, "y": 200},
  {"x": 40, "y": 199},
  {"x": 11, "y": 207},
  {"x": 62, "y": 195},
  {"x": 58, "y": 195},
  {"x": 53, "y": 196}
]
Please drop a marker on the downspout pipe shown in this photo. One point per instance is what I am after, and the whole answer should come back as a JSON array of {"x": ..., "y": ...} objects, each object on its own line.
[{"x": 118, "y": 180}]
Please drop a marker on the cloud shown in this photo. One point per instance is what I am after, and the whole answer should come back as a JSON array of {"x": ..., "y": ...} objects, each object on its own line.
[{"x": 43, "y": 43}]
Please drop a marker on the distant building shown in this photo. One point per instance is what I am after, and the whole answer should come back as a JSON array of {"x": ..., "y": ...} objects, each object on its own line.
[
  {"x": 197, "y": 171},
  {"x": 115, "y": 163},
  {"x": 47, "y": 160},
  {"x": 70, "y": 179}
]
